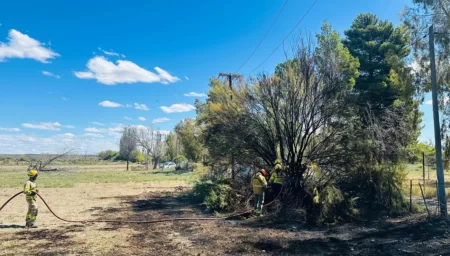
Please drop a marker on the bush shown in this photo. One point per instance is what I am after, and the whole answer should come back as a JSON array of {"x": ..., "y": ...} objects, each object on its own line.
[{"x": 215, "y": 195}]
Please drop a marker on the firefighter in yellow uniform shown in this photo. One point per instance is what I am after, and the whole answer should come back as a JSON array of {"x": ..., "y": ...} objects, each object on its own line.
[
  {"x": 30, "y": 191},
  {"x": 259, "y": 185},
  {"x": 277, "y": 179}
]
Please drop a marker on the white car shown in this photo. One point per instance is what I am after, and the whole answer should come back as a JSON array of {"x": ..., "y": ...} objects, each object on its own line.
[{"x": 169, "y": 165}]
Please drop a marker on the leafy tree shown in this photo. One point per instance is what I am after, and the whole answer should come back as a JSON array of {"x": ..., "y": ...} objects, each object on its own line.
[
  {"x": 223, "y": 125},
  {"x": 418, "y": 18},
  {"x": 151, "y": 142},
  {"x": 171, "y": 146},
  {"x": 384, "y": 77},
  {"x": 128, "y": 143},
  {"x": 179, "y": 160},
  {"x": 189, "y": 135},
  {"x": 138, "y": 156}
]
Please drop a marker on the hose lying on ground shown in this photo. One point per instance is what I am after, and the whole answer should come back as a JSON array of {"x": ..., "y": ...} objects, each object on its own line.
[{"x": 138, "y": 221}]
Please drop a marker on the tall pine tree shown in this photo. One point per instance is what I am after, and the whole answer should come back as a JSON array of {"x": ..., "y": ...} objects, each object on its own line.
[{"x": 382, "y": 50}]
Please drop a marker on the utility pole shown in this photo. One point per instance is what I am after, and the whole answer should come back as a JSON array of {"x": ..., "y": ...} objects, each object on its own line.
[
  {"x": 437, "y": 133},
  {"x": 230, "y": 77}
]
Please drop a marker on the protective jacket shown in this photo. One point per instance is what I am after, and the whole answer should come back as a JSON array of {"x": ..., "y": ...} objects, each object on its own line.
[
  {"x": 30, "y": 189},
  {"x": 277, "y": 178},
  {"x": 259, "y": 184}
]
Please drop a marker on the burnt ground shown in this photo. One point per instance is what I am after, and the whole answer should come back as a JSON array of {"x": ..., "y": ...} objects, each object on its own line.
[{"x": 411, "y": 235}]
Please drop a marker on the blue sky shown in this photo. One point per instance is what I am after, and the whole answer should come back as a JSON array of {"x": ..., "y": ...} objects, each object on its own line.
[{"x": 75, "y": 73}]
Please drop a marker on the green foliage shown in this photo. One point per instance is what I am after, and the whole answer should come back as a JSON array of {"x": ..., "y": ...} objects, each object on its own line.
[
  {"x": 332, "y": 207},
  {"x": 416, "y": 151},
  {"x": 109, "y": 155},
  {"x": 171, "y": 146},
  {"x": 222, "y": 123},
  {"x": 215, "y": 195},
  {"x": 189, "y": 134},
  {"x": 179, "y": 159},
  {"x": 138, "y": 156},
  {"x": 381, "y": 50},
  {"x": 330, "y": 46}
]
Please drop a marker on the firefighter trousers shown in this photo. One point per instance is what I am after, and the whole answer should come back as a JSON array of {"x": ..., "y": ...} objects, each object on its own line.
[{"x": 32, "y": 211}]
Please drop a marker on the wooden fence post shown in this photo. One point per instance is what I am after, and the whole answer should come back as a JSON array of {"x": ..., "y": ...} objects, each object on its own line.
[
  {"x": 424, "y": 201},
  {"x": 410, "y": 196}
]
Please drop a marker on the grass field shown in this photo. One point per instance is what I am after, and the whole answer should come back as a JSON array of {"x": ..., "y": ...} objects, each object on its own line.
[
  {"x": 70, "y": 176},
  {"x": 415, "y": 174}
]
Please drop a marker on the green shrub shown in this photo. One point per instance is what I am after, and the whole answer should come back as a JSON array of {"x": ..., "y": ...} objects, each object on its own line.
[{"x": 215, "y": 195}]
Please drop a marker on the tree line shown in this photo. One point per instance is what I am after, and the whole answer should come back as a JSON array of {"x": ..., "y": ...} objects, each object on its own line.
[{"x": 341, "y": 113}]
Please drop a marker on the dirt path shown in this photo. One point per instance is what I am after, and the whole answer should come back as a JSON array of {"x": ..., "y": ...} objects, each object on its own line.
[{"x": 261, "y": 236}]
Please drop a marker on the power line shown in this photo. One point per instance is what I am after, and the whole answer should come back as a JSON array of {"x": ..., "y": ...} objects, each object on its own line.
[
  {"x": 282, "y": 42},
  {"x": 264, "y": 37}
]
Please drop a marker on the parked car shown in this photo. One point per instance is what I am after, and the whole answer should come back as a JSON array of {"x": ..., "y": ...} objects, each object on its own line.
[{"x": 169, "y": 165}]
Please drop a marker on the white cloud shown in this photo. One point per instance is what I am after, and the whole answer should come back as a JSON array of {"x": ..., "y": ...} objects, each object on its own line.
[
  {"x": 139, "y": 127},
  {"x": 94, "y": 135},
  {"x": 111, "y": 53},
  {"x": 110, "y": 104},
  {"x": 10, "y": 129},
  {"x": 140, "y": 106},
  {"x": 47, "y": 73},
  {"x": 63, "y": 98},
  {"x": 53, "y": 126},
  {"x": 187, "y": 78},
  {"x": 178, "y": 108},
  {"x": 165, "y": 76},
  {"x": 142, "y": 118},
  {"x": 69, "y": 135},
  {"x": 160, "y": 120},
  {"x": 195, "y": 94},
  {"x": 69, "y": 126},
  {"x": 117, "y": 129},
  {"x": 128, "y": 118},
  {"x": 23, "y": 144},
  {"x": 94, "y": 130},
  {"x": 109, "y": 73},
  {"x": 98, "y": 123},
  {"x": 429, "y": 102},
  {"x": 27, "y": 139},
  {"x": 24, "y": 47}
]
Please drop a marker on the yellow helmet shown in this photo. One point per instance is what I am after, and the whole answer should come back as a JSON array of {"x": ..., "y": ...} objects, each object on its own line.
[
  {"x": 32, "y": 173},
  {"x": 278, "y": 167}
]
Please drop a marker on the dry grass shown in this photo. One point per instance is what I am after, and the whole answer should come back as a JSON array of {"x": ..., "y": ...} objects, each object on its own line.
[{"x": 259, "y": 236}]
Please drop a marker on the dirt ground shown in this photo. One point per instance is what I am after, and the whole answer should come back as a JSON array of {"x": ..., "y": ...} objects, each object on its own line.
[{"x": 412, "y": 235}]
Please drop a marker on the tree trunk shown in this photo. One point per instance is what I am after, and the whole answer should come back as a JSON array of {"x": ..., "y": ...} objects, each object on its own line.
[
  {"x": 127, "y": 163},
  {"x": 233, "y": 174},
  {"x": 155, "y": 165},
  {"x": 146, "y": 164}
]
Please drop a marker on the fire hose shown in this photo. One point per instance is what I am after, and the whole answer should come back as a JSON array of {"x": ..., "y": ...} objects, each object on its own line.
[{"x": 139, "y": 221}]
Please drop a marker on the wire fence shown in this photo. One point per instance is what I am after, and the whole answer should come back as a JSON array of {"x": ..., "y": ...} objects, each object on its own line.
[{"x": 424, "y": 192}]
